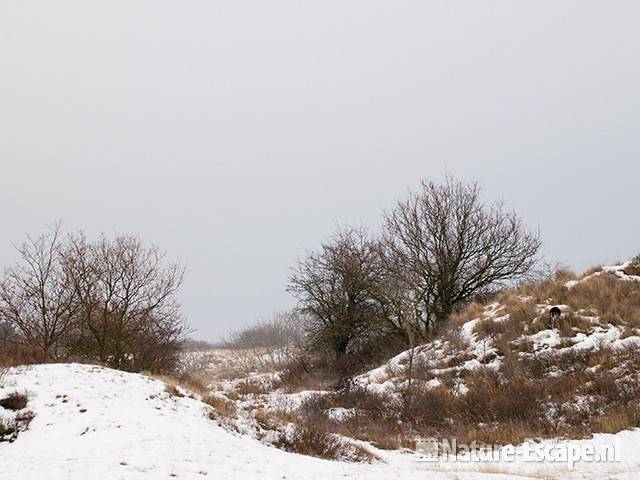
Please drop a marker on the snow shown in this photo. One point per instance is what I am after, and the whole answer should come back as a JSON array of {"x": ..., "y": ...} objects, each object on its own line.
[
  {"x": 571, "y": 283},
  {"x": 118, "y": 425},
  {"x": 121, "y": 425},
  {"x": 617, "y": 270}
]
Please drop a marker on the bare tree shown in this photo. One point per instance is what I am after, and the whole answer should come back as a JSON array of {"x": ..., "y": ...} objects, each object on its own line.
[
  {"x": 276, "y": 332},
  {"x": 336, "y": 285},
  {"x": 445, "y": 246},
  {"x": 271, "y": 342},
  {"x": 112, "y": 301},
  {"x": 35, "y": 296},
  {"x": 128, "y": 315}
]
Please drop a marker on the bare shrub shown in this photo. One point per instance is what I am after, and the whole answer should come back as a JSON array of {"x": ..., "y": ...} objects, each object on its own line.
[
  {"x": 370, "y": 417},
  {"x": 249, "y": 387},
  {"x": 14, "y": 350},
  {"x": 430, "y": 408},
  {"x": 456, "y": 342},
  {"x": 12, "y": 425},
  {"x": 300, "y": 374},
  {"x": 570, "y": 324},
  {"x": 522, "y": 314},
  {"x": 489, "y": 328},
  {"x": 275, "y": 419},
  {"x": 193, "y": 369},
  {"x": 385, "y": 434},
  {"x": 14, "y": 401},
  {"x": 634, "y": 266},
  {"x": 221, "y": 406},
  {"x": 321, "y": 369},
  {"x": 10, "y": 428},
  {"x": 317, "y": 443}
]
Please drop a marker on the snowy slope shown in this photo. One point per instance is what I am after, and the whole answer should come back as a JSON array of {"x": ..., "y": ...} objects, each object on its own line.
[
  {"x": 116, "y": 425},
  {"x": 133, "y": 429}
]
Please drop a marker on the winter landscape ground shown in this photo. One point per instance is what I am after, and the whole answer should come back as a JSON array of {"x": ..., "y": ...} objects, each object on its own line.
[
  {"x": 238, "y": 419},
  {"x": 93, "y": 422}
]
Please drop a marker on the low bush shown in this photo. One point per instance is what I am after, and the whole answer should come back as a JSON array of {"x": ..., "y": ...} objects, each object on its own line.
[
  {"x": 248, "y": 387},
  {"x": 634, "y": 266},
  {"x": 14, "y": 401},
  {"x": 221, "y": 406},
  {"x": 368, "y": 416},
  {"x": 317, "y": 443},
  {"x": 12, "y": 425}
]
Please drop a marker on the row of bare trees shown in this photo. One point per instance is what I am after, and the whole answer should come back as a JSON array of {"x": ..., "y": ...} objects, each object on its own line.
[
  {"x": 272, "y": 342},
  {"x": 438, "y": 249},
  {"x": 111, "y": 301}
]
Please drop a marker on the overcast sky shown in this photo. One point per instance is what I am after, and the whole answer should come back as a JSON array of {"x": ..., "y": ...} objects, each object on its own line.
[{"x": 238, "y": 134}]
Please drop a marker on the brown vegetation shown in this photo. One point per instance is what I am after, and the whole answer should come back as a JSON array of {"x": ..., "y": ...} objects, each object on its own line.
[
  {"x": 317, "y": 443},
  {"x": 14, "y": 401},
  {"x": 109, "y": 301},
  {"x": 11, "y": 426},
  {"x": 441, "y": 248},
  {"x": 221, "y": 406}
]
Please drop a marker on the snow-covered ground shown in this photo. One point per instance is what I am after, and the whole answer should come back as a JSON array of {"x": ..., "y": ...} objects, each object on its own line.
[{"x": 93, "y": 422}]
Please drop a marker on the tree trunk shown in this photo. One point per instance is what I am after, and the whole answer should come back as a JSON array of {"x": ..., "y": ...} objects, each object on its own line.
[{"x": 341, "y": 347}]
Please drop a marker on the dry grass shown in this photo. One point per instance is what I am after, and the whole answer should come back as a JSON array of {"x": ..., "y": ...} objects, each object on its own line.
[
  {"x": 374, "y": 417},
  {"x": 309, "y": 441},
  {"x": 528, "y": 396},
  {"x": 221, "y": 406},
  {"x": 470, "y": 312},
  {"x": 315, "y": 433},
  {"x": 616, "y": 301},
  {"x": 548, "y": 291},
  {"x": 4, "y": 371},
  {"x": 171, "y": 385},
  {"x": 591, "y": 271},
  {"x": 634, "y": 267},
  {"x": 531, "y": 394},
  {"x": 248, "y": 387},
  {"x": 275, "y": 419},
  {"x": 383, "y": 435},
  {"x": 173, "y": 391},
  {"x": 616, "y": 419}
]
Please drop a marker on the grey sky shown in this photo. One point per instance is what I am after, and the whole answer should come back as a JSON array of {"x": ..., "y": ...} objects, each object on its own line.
[{"x": 236, "y": 134}]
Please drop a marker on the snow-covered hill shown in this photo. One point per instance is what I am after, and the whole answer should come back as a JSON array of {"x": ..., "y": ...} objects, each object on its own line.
[{"x": 93, "y": 422}]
